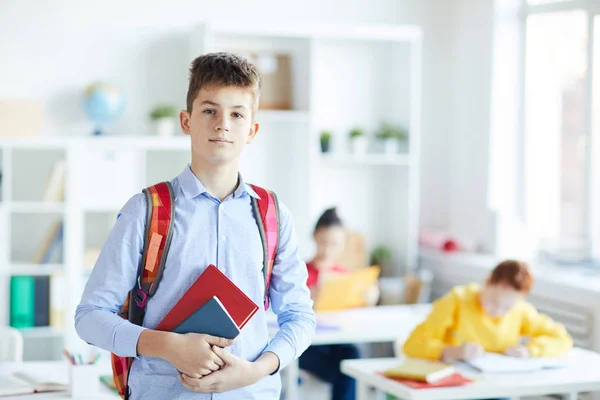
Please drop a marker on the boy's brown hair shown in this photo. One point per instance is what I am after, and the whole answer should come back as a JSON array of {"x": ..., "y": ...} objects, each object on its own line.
[
  {"x": 515, "y": 274},
  {"x": 222, "y": 69}
]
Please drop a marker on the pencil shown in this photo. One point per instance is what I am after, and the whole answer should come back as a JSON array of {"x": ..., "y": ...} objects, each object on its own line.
[{"x": 66, "y": 353}]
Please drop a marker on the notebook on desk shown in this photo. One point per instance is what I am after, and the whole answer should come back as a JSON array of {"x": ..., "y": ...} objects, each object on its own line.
[
  {"x": 421, "y": 370},
  {"x": 20, "y": 383},
  {"x": 211, "y": 282},
  {"x": 499, "y": 363}
]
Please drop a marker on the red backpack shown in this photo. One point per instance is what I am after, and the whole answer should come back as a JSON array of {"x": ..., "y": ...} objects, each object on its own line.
[{"x": 157, "y": 239}]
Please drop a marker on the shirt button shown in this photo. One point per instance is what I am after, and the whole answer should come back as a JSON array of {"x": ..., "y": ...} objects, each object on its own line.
[{"x": 223, "y": 238}]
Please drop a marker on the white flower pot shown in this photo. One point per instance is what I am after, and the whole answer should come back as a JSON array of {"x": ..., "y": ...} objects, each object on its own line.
[
  {"x": 359, "y": 145},
  {"x": 165, "y": 127},
  {"x": 390, "y": 146}
]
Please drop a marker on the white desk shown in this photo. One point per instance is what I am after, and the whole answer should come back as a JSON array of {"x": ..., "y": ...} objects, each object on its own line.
[
  {"x": 581, "y": 375},
  {"x": 362, "y": 325},
  {"x": 58, "y": 372}
]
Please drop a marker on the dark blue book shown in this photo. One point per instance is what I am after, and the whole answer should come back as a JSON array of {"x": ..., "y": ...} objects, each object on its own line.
[
  {"x": 41, "y": 301},
  {"x": 212, "y": 319}
]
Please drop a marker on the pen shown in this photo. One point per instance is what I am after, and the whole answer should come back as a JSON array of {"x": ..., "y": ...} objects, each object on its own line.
[
  {"x": 96, "y": 358},
  {"x": 66, "y": 353}
]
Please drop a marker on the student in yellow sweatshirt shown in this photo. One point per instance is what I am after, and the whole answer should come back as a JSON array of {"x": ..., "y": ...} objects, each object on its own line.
[{"x": 493, "y": 318}]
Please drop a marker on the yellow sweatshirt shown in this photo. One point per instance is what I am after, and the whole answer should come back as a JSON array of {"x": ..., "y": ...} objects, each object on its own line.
[{"x": 458, "y": 318}]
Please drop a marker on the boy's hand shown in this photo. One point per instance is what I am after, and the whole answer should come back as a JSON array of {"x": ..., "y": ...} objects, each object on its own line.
[
  {"x": 518, "y": 351},
  {"x": 192, "y": 354},
  {"x": 466, "y": 352},
  {"x": 237, "y": 373}
]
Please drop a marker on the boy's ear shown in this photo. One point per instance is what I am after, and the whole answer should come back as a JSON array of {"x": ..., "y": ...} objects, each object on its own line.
[
  {"x": 253, "y": 131},
  {"x": 184, "y": 120}
]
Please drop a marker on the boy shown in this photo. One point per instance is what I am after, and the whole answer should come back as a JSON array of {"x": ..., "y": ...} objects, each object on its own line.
[
  {"x": 214, "y": 224},
  {"x": 494, "y": 318}
]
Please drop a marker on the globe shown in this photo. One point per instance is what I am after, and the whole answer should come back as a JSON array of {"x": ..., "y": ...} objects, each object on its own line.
[{"x": 104, "y": 103}]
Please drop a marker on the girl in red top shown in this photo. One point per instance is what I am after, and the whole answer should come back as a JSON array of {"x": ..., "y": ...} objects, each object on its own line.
[{"x": 324, "y": 361}]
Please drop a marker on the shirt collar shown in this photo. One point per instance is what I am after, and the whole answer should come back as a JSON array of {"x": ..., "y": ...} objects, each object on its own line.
[{"x": 192, "y": 187}]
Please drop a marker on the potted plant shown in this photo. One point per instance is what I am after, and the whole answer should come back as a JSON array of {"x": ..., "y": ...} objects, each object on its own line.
[
  {"x": 391, "y": 136},
  {"x": 325, "y": 139},
  {"x": 382, "y": 256},
  {"x": 358, "y": 141},
  {"x": 164, "y": 118}
]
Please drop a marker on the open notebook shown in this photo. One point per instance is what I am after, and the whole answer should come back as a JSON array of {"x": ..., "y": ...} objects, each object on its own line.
[
  {"x": 20, "y": 383},
  {"x": 498, "y": 363}
]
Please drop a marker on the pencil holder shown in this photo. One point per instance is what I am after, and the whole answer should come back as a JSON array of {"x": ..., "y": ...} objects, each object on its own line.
[{"x": 84, "y": 380}]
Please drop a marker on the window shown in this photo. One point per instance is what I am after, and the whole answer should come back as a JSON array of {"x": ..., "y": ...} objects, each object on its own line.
[
  {"x": 559, "y": 130},
  {"x": 555, "y": 130}
]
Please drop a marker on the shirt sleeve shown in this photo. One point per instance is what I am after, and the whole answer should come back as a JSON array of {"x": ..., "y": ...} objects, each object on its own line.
[
  {"x": 113, "y": 276},
  {"x": 290, "y": 297},
  {"x": 546, "y": 337},
  {"x": 427, "y": 340}
]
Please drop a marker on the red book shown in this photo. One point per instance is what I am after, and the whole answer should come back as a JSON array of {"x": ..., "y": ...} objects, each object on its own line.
[
  {"x": 455, "y": 379},
  {"x": 211, "y": 282}
]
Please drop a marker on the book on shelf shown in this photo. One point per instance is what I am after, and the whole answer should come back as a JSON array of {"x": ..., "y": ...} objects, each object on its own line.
[
  {"x": 51, "y": 245},
  {"x": 55, "y": 185},
  {"x": 57, "y": 290},
  {"x": 36, "y": 301}
]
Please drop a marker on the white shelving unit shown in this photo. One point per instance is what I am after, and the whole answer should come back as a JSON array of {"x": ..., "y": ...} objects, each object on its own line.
[{"x": 343, "y": 76}]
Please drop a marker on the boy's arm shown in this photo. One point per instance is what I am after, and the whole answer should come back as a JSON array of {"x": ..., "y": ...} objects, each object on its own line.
[
  {"x": 427, "y": 340},
  {"x": 547, "y": 338},
  {"x": 290, "y": 297},
  {"x": 113, "y": 276}
]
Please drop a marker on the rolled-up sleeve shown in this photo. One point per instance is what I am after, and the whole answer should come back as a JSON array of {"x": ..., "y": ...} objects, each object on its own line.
[
  {"x": 290, "y": 297},
  {"x": 113, "y": 276}
]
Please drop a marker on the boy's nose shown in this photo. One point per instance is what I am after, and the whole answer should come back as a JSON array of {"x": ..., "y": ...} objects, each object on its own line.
[{"x": 222, "y": 125}]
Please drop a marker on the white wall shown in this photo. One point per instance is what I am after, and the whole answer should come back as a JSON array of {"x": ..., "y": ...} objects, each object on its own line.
[
  {"x": 471, "y": 93},
  {"x": 51, "y": 50}
]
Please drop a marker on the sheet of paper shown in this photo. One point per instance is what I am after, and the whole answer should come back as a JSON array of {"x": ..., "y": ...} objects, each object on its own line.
[
  {"x": 497, "y": 363},
  {"x": 11, "y": 386}
]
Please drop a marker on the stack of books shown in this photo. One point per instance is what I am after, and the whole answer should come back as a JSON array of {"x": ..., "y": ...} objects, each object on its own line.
[{"x": 213, "y": 305}]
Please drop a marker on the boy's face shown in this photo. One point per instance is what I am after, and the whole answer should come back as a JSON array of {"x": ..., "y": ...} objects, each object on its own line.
[
  {"x": 498, "y": 299},
  {"x": 220, "y": 124}
]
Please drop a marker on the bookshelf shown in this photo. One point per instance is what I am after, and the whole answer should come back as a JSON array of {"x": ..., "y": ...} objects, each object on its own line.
[{"x": 376, "y": 194}]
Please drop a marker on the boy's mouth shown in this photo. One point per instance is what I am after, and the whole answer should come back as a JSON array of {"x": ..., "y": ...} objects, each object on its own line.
[{"x": 219, "y": 141}]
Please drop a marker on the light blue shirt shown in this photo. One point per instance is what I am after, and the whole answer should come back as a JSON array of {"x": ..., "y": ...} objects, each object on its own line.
[{"x": 206, "y": 231}]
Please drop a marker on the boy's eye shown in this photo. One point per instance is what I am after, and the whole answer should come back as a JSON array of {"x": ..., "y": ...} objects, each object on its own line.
[
  {"x": 209, "y": 111},
  {"x": 237, "y": 115}
]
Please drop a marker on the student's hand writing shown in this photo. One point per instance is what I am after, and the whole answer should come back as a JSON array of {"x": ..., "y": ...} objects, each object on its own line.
[
  {"x": 518, "y": 351},
  {"x": 466, "y": 352},
  {"x": 237, "y": 373},
  {"x": 192, "y": 354}
]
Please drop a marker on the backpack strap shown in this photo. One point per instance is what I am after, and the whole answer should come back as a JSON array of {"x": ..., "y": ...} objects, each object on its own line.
[
  {"x": 157, "y": 240},
  {"x": 266, "y": 213}
]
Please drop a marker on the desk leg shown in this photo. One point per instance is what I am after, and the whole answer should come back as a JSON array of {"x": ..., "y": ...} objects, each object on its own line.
[
  {"x": 362, "y": 391},
  {"x": 292, "y": 372}
]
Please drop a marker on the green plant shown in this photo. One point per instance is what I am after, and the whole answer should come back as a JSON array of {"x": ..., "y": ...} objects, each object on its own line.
[
  {"x": 356, "y": 132},
  {"x": 389, "y": 131},
  {"x": 325, "y": 136},
  {"x": 163, "y": 111},
  {"x": 381, "y": 255}
]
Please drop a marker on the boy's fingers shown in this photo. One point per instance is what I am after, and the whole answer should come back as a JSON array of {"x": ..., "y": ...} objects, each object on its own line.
[{"x": 218, "y": 341}]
